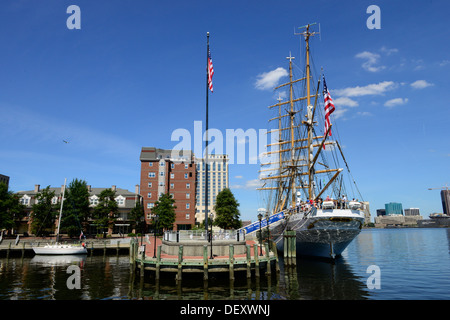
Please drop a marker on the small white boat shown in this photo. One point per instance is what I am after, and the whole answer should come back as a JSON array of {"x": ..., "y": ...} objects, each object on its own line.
[{"x": 60, "y": 249}]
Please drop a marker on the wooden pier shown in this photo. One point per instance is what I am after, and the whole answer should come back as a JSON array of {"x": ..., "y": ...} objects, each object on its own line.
[
  {"x": 255, "y": 261},
  {"x": 9, "y": 248}
]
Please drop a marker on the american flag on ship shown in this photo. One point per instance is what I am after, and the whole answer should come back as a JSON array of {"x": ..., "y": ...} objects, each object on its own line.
[
  {"x": 210, "y": 71},
  {"x": 329, "y": 106}
]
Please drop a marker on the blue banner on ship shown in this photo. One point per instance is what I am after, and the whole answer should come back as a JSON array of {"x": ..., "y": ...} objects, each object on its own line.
[{"x": 255, "y": 225}]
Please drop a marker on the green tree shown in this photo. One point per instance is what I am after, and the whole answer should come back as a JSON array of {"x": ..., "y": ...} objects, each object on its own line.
[
  {"x": 137, "y": 215},
  {"x": 165, "y": 210},
  {"x": 227, "y": 213},
  {"x": 44, "y": 213},
  {"x": 105, "y": 212},
  {"x": 76, "y": 207},
  {"x": 10, "y": 207}
]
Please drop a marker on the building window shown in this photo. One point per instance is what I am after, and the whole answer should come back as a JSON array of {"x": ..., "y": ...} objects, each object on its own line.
[
  {"x": 150, "y": 205},
  {"x": 150, "y": 164},
  {"x": 186, "y": 166},
  {"x": 188, "y": 195},
  {"x": 188, "y": 216},
  {"x": 25, "y": 200},
  {"x": 120, "y": 201},
  {"x": 93, "y": 201},
  {"x": 188, "y": 205},
  {"x": 188, "y": 185},
  {"x": 162, "y": 163},
  {"x": 149, "y": 195},
  {"x": 171, "y": 186},
  {"x": 172, "y": 165},
  {"x": 172, "y": 176},
  {"x": 186, "y": 175},
  {"x": 162, "y": 173},
  {"x": 151, "y": 174},
  {"x": 149, "y": 184}
]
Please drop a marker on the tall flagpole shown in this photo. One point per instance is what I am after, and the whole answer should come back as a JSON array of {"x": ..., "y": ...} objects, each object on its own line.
[{"x": 206, "y": 142}]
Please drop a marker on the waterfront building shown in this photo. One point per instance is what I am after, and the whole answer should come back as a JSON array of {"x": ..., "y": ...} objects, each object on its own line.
[
  {"x": 169, "y": 171},
  {"x": 412, "y": 212},
  {"x": 445, "y": 197},
  {"x": 393, "y": 208},
  {"x": 4, "y": 179},
  {"x": 218, "y": 179},
  {"x": 381, "y": 212},
  {"x": 126, "y": 201}
]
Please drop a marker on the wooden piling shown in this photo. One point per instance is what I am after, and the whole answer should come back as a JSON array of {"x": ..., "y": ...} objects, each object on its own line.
[
  {"x": 249, "y": 262},
  {"x": 275, "y": 253},
  {"x": 142, "y": 261},
  {"x": 180, "y": 261},
  {"x": 268, "y": 268},
  {"x": 255, "y": 249},
  {"x": 205, "y": 262},
  {"x": 231, "y": 261},
  {"x": 290, "y": 256},
  {"x": 158, "y": 262}
]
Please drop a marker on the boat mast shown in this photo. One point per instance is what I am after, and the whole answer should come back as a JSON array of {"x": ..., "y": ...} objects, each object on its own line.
[{"x": 60, "y": 210}]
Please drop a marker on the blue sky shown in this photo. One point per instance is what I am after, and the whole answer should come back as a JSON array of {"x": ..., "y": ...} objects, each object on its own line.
[{"x": 135, "y": 72}]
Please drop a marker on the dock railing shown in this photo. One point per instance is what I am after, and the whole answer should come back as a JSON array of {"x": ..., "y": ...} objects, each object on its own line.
[{"x": 186, "y": 235}]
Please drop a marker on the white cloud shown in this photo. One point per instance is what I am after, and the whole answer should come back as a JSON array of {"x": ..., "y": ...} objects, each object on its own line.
[
  {"x": 387, "y": 51},
  {"x": 269, "y": 80},
  {"x": 371, "y": 89},
  {"x": 444, "y": 63},
  {"x": 421, "y": 84},
  {"x": 345, "y": 101},
  {"x": 250, "y": 184},
  {"x": 238, "y": 177},
  {"x": 371, "y": 61},
  {"x": 395, "y": 102}
]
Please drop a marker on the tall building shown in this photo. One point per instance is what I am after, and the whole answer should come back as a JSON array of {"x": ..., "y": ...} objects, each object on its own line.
[
  {"x": 445, "y": 197},
  {"x": 166, "y": 171},
  {"x": 4, "y": 179},
  {"x": 393, "y": 208},
  {"x": 218, "y": 180},
  {"x": 412, "y": 212}
]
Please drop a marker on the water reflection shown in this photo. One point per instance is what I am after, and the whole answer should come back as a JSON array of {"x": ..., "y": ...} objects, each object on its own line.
[{"x": 309, "y": 279}]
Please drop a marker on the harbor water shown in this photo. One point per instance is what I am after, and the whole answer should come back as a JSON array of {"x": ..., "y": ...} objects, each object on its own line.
[{"x": 380, "y": 264}]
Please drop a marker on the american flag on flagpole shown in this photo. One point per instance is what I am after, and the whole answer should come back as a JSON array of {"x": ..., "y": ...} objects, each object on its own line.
[
  {"x": 210, "y": 71},
  {"x": 329, "y": 106}
]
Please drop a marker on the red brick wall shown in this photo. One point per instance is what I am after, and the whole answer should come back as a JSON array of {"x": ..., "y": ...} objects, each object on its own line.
[{"x": 175, "y": 176}]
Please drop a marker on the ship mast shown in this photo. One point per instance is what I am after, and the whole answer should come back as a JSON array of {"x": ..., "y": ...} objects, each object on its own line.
[{"x": 310, "y": 121}]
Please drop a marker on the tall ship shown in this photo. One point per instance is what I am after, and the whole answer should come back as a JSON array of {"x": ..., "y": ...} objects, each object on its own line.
[{"x": 304, "y": 172}]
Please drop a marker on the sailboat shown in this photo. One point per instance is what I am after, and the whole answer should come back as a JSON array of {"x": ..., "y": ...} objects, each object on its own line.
[
  {"x": 59, "y": 248},
  {"x": 303, "y": 191}
]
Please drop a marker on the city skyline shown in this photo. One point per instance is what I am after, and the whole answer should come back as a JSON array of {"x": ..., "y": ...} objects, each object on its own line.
[{"x": 82, "y": 103}]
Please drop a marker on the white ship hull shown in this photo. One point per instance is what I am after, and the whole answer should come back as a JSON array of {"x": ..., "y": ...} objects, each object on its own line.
[
  {"x": 60, "y": 249},
  {"x": 323, "y": 233}
]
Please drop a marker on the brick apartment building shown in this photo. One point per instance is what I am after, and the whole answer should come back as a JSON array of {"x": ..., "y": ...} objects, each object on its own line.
[{"x": 164, "y": 171}]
